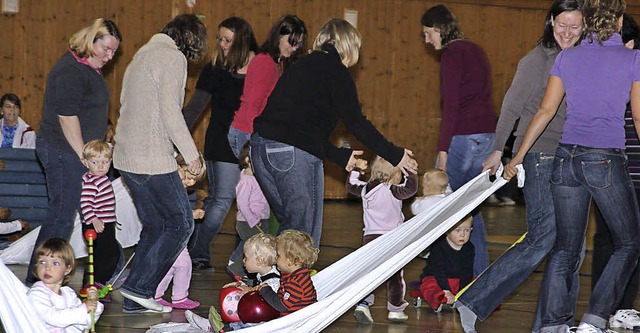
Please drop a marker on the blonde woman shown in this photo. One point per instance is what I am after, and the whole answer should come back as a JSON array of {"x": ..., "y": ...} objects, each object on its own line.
[
  {"x": 76, "y": 105},
  {"x": 293, "y": 134}
]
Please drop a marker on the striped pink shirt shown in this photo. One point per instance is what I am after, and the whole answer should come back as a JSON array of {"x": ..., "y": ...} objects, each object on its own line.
[{"x": 98, "y": 199}]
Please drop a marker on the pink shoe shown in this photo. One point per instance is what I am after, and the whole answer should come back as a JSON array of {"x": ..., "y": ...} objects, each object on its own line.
[
  {"x": 163, "y": 302},
  {"x": 186, "y": 303}
]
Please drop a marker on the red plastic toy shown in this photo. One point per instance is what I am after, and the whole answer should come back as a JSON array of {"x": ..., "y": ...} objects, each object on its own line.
[
  {"x": 229, "y": 299},
  {"x": 252, "y": 308}
]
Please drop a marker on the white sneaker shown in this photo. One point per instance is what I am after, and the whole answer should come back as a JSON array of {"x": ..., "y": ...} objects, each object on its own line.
[
  {"x": 397, "y": 316},
  {"x": 626, "y": 318},
  {"x": 197, "y": 321},
  {"x": 363, "y": 315},
  {"x": 588, "y": 328},
  {"x": 148, "y": 303}
]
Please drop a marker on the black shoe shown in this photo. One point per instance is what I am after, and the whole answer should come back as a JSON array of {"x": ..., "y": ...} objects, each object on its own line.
[{"x": 201, "y": 266}]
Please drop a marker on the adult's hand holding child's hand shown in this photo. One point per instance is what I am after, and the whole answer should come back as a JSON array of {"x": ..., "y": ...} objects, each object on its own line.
[{"x": 407, "y": 164}]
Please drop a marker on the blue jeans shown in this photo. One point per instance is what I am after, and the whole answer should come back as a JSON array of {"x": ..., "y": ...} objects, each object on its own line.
[
  {"x": 519, "y": 261},
  {"x": 167, "y": 223},
  {"x": 223, "y": 178},
  {"x": 237, "y": 139},
  {"x": 63, "y": 173},
  {"x": 464, "y": 162},
  {"x": 292, "y": 180},
  {"x": 580, "y": 174}
]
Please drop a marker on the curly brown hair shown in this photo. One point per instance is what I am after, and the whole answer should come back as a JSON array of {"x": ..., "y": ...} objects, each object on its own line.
[
  {"x": 601, "y": 18},
  {"x": 190, "y": 35},
  {"x": 297, "y": 246}
]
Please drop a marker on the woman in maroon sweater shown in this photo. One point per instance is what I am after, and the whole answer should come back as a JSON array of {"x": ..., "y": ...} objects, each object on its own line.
[{"x": 468, "y": 126}]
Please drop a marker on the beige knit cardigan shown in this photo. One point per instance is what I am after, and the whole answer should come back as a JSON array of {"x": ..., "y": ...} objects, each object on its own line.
[{"x": 151, "y": 121}]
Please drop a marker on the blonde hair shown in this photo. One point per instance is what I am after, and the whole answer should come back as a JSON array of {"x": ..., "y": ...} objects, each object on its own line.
[
  {"x": 383, "y": 171},
  {"x": 57, "y": 247},
  {"x": 297, "y": 246},
  {"x": 82, "y": 41},
  {"x": 343, "y": 36},
  {"x": 434, "y": 181},
  {"x": 97, "y": 148},
  {"x": 263, "y": 246}
]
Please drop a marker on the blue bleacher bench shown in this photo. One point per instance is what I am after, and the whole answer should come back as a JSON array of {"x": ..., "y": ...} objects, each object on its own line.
[{"x": 22, "y": 185}]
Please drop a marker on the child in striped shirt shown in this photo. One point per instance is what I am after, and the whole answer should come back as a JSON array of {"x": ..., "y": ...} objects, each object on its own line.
[
  {"x": 296, "y": 254},
  {"x": 98, "y": 207}
]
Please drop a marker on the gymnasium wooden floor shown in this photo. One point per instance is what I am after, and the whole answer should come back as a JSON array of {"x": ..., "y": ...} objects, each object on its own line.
[{"x": 342, "y": 234}]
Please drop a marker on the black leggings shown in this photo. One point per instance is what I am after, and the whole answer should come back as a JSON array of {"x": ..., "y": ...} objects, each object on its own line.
[{"x": 106, "y": 253}]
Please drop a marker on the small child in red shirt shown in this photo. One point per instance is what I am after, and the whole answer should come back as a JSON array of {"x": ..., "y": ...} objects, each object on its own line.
[{"x": 296, "y": 255}]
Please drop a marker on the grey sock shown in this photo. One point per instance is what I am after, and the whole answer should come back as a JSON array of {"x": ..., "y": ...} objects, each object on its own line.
[{"x": 467, "y": 318}]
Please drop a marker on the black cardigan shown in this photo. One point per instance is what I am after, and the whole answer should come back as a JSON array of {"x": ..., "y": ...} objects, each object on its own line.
[{"x": 306, "y": 104}]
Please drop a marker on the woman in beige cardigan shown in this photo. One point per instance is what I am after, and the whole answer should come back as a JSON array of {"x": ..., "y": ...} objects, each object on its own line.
[{"x": 150, "y": 125}]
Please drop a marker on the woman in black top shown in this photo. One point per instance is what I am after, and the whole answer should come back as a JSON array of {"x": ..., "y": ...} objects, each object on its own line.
[
  {"x": 292, "y": 135},
  {"x": 221, "y": 82}
]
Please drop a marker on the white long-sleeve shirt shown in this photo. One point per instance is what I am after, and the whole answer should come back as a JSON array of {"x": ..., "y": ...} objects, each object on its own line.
[
  {"x": 63, "y": 313},
  {"x": 10, "y": 227}
]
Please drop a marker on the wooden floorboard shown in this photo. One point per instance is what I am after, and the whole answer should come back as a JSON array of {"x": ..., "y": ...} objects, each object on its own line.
[{"x": 342, "y": 234}]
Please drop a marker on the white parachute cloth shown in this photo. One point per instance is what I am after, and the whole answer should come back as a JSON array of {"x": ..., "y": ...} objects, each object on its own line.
[
  {"x": 16, "y": 312},
  {"x": 341, "y": 285},
  {"x": 127, "y": 233}
]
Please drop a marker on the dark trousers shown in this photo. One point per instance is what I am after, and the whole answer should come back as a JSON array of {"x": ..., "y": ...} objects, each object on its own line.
[
  {"x": 396, "y": 286},
  {"x": 106, "y": 254}
]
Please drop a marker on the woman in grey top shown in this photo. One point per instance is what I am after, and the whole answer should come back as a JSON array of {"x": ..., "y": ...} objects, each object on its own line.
[{"x": 563, "y": 28}]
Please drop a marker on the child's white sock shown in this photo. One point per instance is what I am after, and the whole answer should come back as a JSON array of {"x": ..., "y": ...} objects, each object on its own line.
[{"x": 467, "y": 318}]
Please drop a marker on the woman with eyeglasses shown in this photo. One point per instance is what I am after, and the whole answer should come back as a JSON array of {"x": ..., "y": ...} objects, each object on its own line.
[
  {"x": 14, "y": 132},
  {"x": 75, "y": 111},
  {"x": 220, "y": 82},
  {"x": 282, "y": 47}
]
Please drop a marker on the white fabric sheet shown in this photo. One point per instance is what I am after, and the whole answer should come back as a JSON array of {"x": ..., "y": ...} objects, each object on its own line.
[
  {"x": 353, "y": 277},
  {"x": 16, "y": 312}
]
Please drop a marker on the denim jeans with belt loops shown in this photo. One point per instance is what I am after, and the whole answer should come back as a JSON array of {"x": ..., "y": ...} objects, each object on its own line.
[
  {"x": 63, "y": 171},
  {"x": 223, "y": 178},
  {"x": 514, "y": 266},
  {"x": 167, "y": 223},
  {"x": 580, "y": 174},
  {"x": 292, "y": 180}
]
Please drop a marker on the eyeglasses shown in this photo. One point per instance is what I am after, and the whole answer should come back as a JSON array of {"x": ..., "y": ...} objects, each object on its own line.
[
  {"x": 224, "y": 40},
  {"x": 11, "y": 106}
]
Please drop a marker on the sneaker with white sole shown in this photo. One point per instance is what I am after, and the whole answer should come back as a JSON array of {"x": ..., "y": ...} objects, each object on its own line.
[
  {"x": 625, "y": 318},
  {"x": 363, "y": 315},
  {"x": 148, "y": 303},
  {"x": 588, "y": 328},
  {"x": 397, "y": 316}
]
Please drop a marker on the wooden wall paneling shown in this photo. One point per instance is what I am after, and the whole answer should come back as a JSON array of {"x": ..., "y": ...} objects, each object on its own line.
[
  {"x": 397, "y": 76},
  {"x": 415, "y": 77}
]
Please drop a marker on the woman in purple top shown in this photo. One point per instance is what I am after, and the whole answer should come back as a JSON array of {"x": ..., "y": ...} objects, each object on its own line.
[
  {"x": 468, "y": 126},
  {"x": 598, "y": 77}
]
